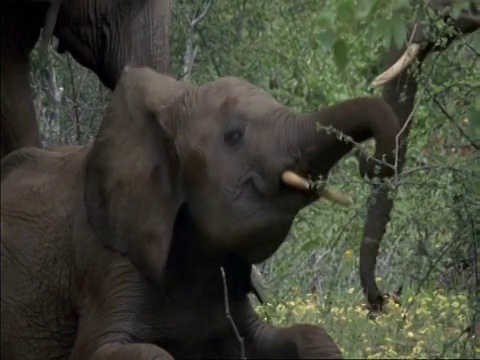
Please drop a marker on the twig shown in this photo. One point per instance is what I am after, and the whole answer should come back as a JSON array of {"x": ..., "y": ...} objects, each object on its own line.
[
  {"x": 75, "y": 102},
  {"x": 229, "y": 317},
  {"x": 199, "y": 18},
  {"x": 212, "y": 58},
  {"x": 402, "y": 130},
  {"x": 190, "y": 50},
  {"x": 52, "y": 116},
  {"x": 427, "y": 274},
  {"x": 472, "y": 49},
  {"x": 458, "y": 127}
]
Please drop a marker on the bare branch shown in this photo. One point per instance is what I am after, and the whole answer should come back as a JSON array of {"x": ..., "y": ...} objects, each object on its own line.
[
  {"x": 202, "y": 14},
  {"x": 408, "y": 56},
  {"x": 466, "y": 23},
  {"x": 78, "y": 133},
  {"x": 190, "y": 50},
  {"x": 56, "y": 94},
  {"x": 454, "y": 123},
  {"x": 50, "y": 22}
]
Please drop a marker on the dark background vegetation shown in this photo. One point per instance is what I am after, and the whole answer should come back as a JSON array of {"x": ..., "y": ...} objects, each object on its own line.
[{"x": 311, "y": 54}]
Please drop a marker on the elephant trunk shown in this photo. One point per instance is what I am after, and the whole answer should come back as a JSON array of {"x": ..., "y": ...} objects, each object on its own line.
[
  {"x": 329, "y": 134},
  {"x": 144, "y": 42},
  {"x": 150, "y": 36},
  {"x": 340, "y": 127}
]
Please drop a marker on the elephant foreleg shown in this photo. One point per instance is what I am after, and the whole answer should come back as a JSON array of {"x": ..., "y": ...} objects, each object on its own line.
[
  {"x": 131, "y": 352},
  {"x": 20, "y": 30}
]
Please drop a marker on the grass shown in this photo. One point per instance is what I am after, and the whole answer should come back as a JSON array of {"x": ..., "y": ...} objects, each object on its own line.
[{"x": 432, "y": 327}]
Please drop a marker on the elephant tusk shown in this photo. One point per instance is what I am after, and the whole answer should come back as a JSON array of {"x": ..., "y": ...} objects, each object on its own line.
[
  {"x": 336, "y": 197},
  {"x": 296, "y": 181},
  {"x": 407, "y": 57},
  {"x": 299, "y": 182}
]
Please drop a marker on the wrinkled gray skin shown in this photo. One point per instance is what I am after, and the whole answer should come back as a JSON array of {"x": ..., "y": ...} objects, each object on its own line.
[
  {"x": 114, "y": 250},
  {"x": 102, "y": 35}
]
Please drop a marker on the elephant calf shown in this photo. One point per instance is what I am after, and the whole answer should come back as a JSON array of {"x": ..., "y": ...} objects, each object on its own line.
[{"x": 122, "y": 249}]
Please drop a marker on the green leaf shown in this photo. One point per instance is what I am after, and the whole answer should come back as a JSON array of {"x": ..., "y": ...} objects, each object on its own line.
[
  {"x": 364, "y": 8},
  {"x": 401, "y": 5},
  {"x": 458, "y": 7},
  {"x": 371, "y": 35},
  {"x": 384, "y": 31},
  {"x": 475, "y": 40},
  {"x": 474, "y": 118},
  {"x": 327, "y": 38},
  {"x": 340, "y": 53},
  {"x": 399, "y": 32},
  {"x": 345, "y": 13},
  {"x": 477, "y": 103}
]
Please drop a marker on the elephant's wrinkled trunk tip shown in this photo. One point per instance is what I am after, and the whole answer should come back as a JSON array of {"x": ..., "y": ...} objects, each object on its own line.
[
  {"x": 296, "y": 181},
  {"x": 408, "y": 56}
]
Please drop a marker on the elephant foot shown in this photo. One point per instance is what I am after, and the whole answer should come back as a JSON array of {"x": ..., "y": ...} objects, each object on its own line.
[{"x": 131, "y": 352}]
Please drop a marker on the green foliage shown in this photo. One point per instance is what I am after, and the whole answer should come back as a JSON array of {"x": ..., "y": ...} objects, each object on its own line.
[{"x": 69, "y": 102}]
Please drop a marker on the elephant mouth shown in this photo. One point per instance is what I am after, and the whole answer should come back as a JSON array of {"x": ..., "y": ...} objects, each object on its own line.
[
  {"x": 295, "y": 181},
  {"x": 292, "y": 183}
]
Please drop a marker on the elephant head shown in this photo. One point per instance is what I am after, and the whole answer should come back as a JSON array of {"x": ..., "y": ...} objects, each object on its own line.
[{"x": 225, "y": 152}]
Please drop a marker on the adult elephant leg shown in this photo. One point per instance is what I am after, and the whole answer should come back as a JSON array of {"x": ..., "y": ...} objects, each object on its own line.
[
  {"x": 118, "y": 33},
  {"x": 20, "y": 31},
  {"x": 19, "y": 124}
]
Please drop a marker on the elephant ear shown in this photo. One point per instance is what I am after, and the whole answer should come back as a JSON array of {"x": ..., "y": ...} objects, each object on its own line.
[{"x": 132, "y": 186}]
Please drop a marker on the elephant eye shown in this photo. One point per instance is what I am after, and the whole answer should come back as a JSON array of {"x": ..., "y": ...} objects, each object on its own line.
[{"x": 233, "y": 137}]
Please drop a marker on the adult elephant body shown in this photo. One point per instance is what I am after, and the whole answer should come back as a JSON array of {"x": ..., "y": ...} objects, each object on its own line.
[
  {"x": 129, "y": 248},
  {"x": 102, "y": 35}
]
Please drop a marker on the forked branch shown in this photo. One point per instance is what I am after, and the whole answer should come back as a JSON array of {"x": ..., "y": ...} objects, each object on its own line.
[{"x": 467, "y": 22}]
